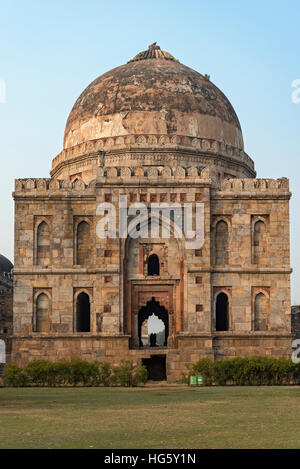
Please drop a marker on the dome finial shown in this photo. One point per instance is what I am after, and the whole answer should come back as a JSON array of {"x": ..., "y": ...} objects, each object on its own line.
[
  {"x": 153, "y": 46},
  {"x": 153, "y": 52}
]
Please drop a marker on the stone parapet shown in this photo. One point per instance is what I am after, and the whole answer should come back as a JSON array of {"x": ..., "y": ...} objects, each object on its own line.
[
  {"x": 249, "y": 187},
  {"x": 237, "y": 188}
]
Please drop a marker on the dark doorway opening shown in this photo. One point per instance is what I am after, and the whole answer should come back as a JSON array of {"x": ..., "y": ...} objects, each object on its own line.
[
  {"x": 222, "y": 322},
  {"x": 156, "y": 367},
  {"x": 153, "y": 307},
  {"x": 83, "y": 313},
  {"x": 153, "y": 265}
]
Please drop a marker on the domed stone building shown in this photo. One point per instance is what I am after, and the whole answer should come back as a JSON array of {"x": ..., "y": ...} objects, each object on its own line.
[{"x": 152, "y": 132}]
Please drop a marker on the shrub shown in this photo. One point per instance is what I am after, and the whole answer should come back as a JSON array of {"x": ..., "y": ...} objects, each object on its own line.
[
  {"x": 14, "y": 376},
  {"x": 128, "y": 375},
  {"x": 237, "y": 371},
  {"x": 47, "y": 373},
  {"x": 104, "y": 374},
  {"x": 140, "y": 375},
  {"x": 123, "y": 374},
  {"x": 60, "y": 374},
  {"x": 39, "y": 372},
  {"x": 249, "y": 371},
  {"x": 83, "y": 372},
  {"x": 202, "y": 367}
]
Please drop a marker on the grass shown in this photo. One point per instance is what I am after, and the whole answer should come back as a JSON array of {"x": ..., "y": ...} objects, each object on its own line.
[{"x": 151, "y": 417}]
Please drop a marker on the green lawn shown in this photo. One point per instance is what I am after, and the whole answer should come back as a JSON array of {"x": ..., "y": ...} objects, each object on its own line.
[{"x": 151, "y": 417}]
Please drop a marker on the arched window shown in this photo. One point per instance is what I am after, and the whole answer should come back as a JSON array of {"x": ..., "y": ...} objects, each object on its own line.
[
  {"x": 43, "y": 244},
  {"x": 259, "y": 241},
  {"x": 83, "y": 244},
  {"x": 222, "y": 319},
  {"x": 2, "y": 351},
  {"x": 221, "y": 244},
  {"x": 153, "y": 265},
  {"x": 42, "y": 313},
  {"x": 260, "y": 312},
  {"x": 157, "y": 331},
  {"x": 83, "y": 313}
]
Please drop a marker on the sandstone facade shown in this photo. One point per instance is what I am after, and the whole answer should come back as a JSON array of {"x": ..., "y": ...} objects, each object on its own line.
[{"x": 77, "y": 295}]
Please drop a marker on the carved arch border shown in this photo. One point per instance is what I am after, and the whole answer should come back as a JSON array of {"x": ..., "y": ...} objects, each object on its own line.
[
  {"x": 126, "y": 293},
  {"x": 89, "y": 291},
  {"x": 228, "y": 293},
  {"x": 37, "y": 221},
  {"x": 36, "y": 293},
  {"x": 228, "y": 220},
  {"x": 254, "y": 292},
  {"x": 254, "y": 219},
  {"x": 77, "y": 219}
]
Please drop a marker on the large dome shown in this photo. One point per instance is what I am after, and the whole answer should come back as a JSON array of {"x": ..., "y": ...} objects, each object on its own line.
[{"x": 151, "y": 98}]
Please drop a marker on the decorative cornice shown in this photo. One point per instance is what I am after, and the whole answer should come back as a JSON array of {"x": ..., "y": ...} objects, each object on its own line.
[
  {"x": 64, "y": 271},
  {"x": 153, "y": 142},
  {"x": 241, "y": 270},
  {"x": 72, "y": 335},
  {"x": 191, "y": 270},
  {"x": 166, "y": 176},
  {"x": 247, "y": 335}
]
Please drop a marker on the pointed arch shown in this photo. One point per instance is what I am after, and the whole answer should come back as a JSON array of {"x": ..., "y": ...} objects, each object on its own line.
[
  {"x": 131, "y": 249},
  {"x": 259, "y": 242},
  {"x": 43, "y": 241},
  {"x": 42, "y": 313},
  {"x": 222, "y": 312},
  {"x": 221, "y": 242},
  {"x": 261, "y": 312},
  {"x": 83, "y": 243},
  {"x": 153, "y": 307},
  {"x": 160, "y": 225},
  {"x": 83, "y": 313},
  {"x": 136, "y": 253}
]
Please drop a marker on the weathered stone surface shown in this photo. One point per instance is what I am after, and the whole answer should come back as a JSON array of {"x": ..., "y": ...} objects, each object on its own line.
[
  {"x": 151, "y": 103},
  {"x": 230, "y": 297}
]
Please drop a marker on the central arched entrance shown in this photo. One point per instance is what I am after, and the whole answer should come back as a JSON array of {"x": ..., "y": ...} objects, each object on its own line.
[{"x": 153, "y": 308}]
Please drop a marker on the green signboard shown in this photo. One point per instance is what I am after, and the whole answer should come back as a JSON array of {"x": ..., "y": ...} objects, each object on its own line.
[
  {"x": 200, "y": 380},
  {"x": 193, "y": 380},
  {"x": 197, "y": 380}
]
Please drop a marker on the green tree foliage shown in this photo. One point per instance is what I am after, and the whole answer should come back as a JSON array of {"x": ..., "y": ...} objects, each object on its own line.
[
  {"x": 14, "y": 376},
  {"x": 74, "y": 373},
  {"x": 245, "y": 371}
]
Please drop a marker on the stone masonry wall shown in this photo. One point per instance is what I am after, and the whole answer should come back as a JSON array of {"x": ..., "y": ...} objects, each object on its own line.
[{"x": 190, "y": 280}]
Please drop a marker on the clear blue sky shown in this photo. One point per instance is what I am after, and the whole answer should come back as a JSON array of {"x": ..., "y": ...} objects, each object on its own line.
[{"x": 51, "y": 50}]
